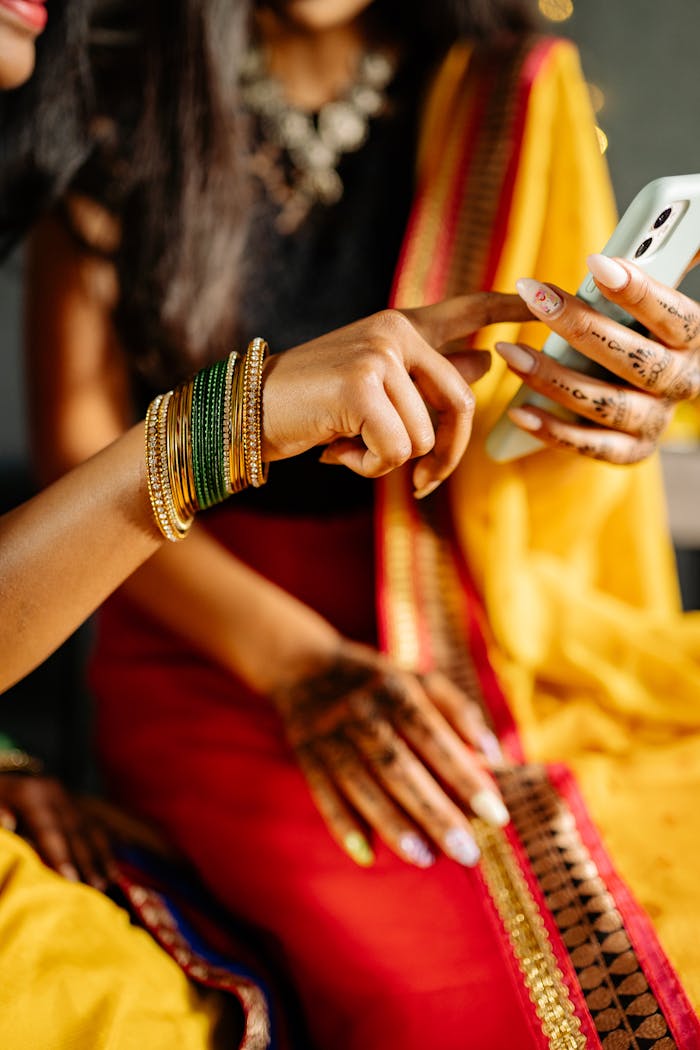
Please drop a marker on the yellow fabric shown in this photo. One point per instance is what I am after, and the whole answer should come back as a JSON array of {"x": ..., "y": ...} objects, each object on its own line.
[
  {"x": 574, "y": 563},
  {"x": 75, "y": 975}
]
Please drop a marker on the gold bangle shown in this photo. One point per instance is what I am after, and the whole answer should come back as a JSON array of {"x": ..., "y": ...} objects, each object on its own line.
[{"x": 256, "y": 472}]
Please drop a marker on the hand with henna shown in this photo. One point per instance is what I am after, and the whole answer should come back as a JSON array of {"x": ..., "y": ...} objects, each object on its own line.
[
  {"x": 626, "y": 419},
  {"x": 406, "y": 756},
  {"x": 66, "y": 838}
]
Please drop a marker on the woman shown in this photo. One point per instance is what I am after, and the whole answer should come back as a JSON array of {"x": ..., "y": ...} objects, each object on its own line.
[
  {"x": 74, "y": 971},
  {"x": 100, "y": 542},
  {"x": 502, "y": 156}
]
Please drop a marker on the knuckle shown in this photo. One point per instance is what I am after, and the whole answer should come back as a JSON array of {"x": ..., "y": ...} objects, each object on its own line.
[
  {"x": 578, "y": 325},
  {"x": 423, "y": 443},
  {"x": 394, "y": 323}
]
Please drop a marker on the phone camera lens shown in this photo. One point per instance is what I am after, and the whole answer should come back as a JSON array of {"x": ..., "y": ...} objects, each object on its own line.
[
  {"x": 643, "y": 247},
  {"x": 662, "y": 218}
]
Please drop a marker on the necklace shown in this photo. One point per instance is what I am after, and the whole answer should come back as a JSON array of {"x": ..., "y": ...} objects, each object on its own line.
[{"x": 298, "y": 156}]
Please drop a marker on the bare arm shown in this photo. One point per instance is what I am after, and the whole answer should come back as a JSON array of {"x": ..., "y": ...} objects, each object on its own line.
[{"x": 64, "y": 551}]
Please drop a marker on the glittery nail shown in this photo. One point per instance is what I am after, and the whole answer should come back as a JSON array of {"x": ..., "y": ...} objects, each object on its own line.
[
  {"x": 487, "y": 805},
  {"x": 539, "y": 296},
  {"x": 490, "y": 747},
  {"x": 460, "y": 845},
  {"x": 416, "y": 849},
  {"x": 359, "y": 848}
]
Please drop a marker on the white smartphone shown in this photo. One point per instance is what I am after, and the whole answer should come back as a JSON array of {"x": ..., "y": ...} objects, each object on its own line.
[{"x": 660, "y": 232}]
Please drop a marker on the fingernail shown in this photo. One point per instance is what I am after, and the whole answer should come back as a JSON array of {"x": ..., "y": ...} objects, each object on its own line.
[
  {"x": 359, "y": 849},
  {"x": 490, "y": 747},
  {"x": 416, "y": 849},
  {"x": 460, "y": 845},
  {"x": 518, "y": 358},
  {"x": 525, "y": 419},
  {"x": 487, "y": 805},
  {"x": 68, "y": 872},
  {"x": 98, "y": 883},
  {"x": 426, "y": 490},
  {"x": 539, "y": 296},
  {"x": 7, "y": 821},
  {"x": 608, "y": 272}
]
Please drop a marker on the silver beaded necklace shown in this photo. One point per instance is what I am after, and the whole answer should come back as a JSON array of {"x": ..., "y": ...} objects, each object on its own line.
[{"x": 298, "y": 158}]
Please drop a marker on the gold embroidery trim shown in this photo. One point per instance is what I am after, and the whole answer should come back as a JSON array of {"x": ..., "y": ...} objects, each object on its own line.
[{"x": 529, "y": 940}]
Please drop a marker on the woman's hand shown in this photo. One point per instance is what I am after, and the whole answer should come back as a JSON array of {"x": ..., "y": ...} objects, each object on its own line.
[
  {"x": 370, "y": 391},
  {"x": 657, "y": 371},
  {"x": 39, "y": 809},
  {"x": 407, "y": 754}
]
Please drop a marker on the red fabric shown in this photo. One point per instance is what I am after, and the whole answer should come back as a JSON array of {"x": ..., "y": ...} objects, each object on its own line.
[{"x": 390, "y": 957}]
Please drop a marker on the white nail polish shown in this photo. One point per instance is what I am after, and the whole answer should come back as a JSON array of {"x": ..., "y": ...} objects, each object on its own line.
[
  {"x": 525, "y": 419},
  {"x": 487, "y": 805},
  {"x": 460, "y": 845},
  {"x": 521, "y": 360},
  {"x": 416, "y": 849},
  {"x": 608, "y": 272},
  {"x": 539, "y": 296}
]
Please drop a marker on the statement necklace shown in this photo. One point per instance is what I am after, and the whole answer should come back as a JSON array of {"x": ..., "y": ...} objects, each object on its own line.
[{"x": 298, "y": 156}]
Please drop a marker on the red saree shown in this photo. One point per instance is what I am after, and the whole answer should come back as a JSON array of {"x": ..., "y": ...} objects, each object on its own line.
[{"x": 542, "y": 946}]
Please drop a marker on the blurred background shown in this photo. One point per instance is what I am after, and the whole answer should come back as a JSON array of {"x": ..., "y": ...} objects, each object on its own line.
[{"x": 640, "y": 57}]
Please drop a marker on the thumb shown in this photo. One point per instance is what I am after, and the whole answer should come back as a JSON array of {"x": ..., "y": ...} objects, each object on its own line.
[
  {"x": 458, "y": 317},
  {"x": 471, "y": 364}
]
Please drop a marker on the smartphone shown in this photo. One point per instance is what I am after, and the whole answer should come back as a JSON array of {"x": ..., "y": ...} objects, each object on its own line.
[{"x": 660, "y": 232}]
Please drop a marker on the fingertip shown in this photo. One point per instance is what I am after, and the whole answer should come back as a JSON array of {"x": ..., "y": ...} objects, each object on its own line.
[
  {"x": 608, "y": 272},
  {"x": 68, "y": 872},
  {"x": 522, "y": 417},
  {"x": 359, "y": 849},
  {"x": 7, "y": 820}
]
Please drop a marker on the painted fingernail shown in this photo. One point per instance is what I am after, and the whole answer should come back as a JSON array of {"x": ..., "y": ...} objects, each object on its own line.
[
  {"x": 539, "y": 296},
  {"x": 487, "y": 805},
  {"x": 517, "y": 357},
  {"x": 426, "y": 490},
  {"x": 608, "y": 272},
  {"x": 489, "y": 745},
  {"x": 68, "y": 872},
  {"x": 416, "y": 849},
  {"x": 525, "y": 419},
  {"x": 359, "y": 849},
  {"x": 462, "y": 847}
]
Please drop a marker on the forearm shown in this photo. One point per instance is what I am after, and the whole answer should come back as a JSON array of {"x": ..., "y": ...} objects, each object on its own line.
[
  {"x": 65, "y": 550},
  {"x": 227, "y": 611}
]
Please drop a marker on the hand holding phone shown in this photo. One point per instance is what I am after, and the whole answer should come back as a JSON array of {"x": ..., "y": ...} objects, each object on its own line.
[{"x": 660, "y": 232}]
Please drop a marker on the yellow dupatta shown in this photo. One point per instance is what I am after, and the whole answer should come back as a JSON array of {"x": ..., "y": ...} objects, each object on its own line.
[{"x": 571, "y": 557}]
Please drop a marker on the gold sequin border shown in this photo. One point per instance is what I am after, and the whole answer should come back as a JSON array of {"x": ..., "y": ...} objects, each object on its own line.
[
  {"x": 155, "y": 915},
  {"x": 529, "y": 940}
]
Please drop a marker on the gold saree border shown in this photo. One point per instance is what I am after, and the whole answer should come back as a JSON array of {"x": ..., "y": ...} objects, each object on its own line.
[
  {"x": 566, "y": 935},
  {"x": 155, "y": 915}
]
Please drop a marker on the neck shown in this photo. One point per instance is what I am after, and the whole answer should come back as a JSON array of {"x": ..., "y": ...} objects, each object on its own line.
[{"x": 314, "y": 66}]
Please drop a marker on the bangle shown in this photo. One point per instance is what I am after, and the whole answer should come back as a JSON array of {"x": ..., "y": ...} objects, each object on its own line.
[
  {"x": 203, "y": 440},
  {"x": 252, "y": 415}
]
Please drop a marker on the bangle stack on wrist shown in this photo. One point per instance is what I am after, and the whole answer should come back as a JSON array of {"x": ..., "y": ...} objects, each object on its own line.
[{"x": 203, "y": 440}]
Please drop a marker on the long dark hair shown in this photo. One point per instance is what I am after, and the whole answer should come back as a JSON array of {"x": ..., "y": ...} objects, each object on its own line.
[
  {"x": 158, "y": 113},
  {"x": 44, "y": 124}
]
